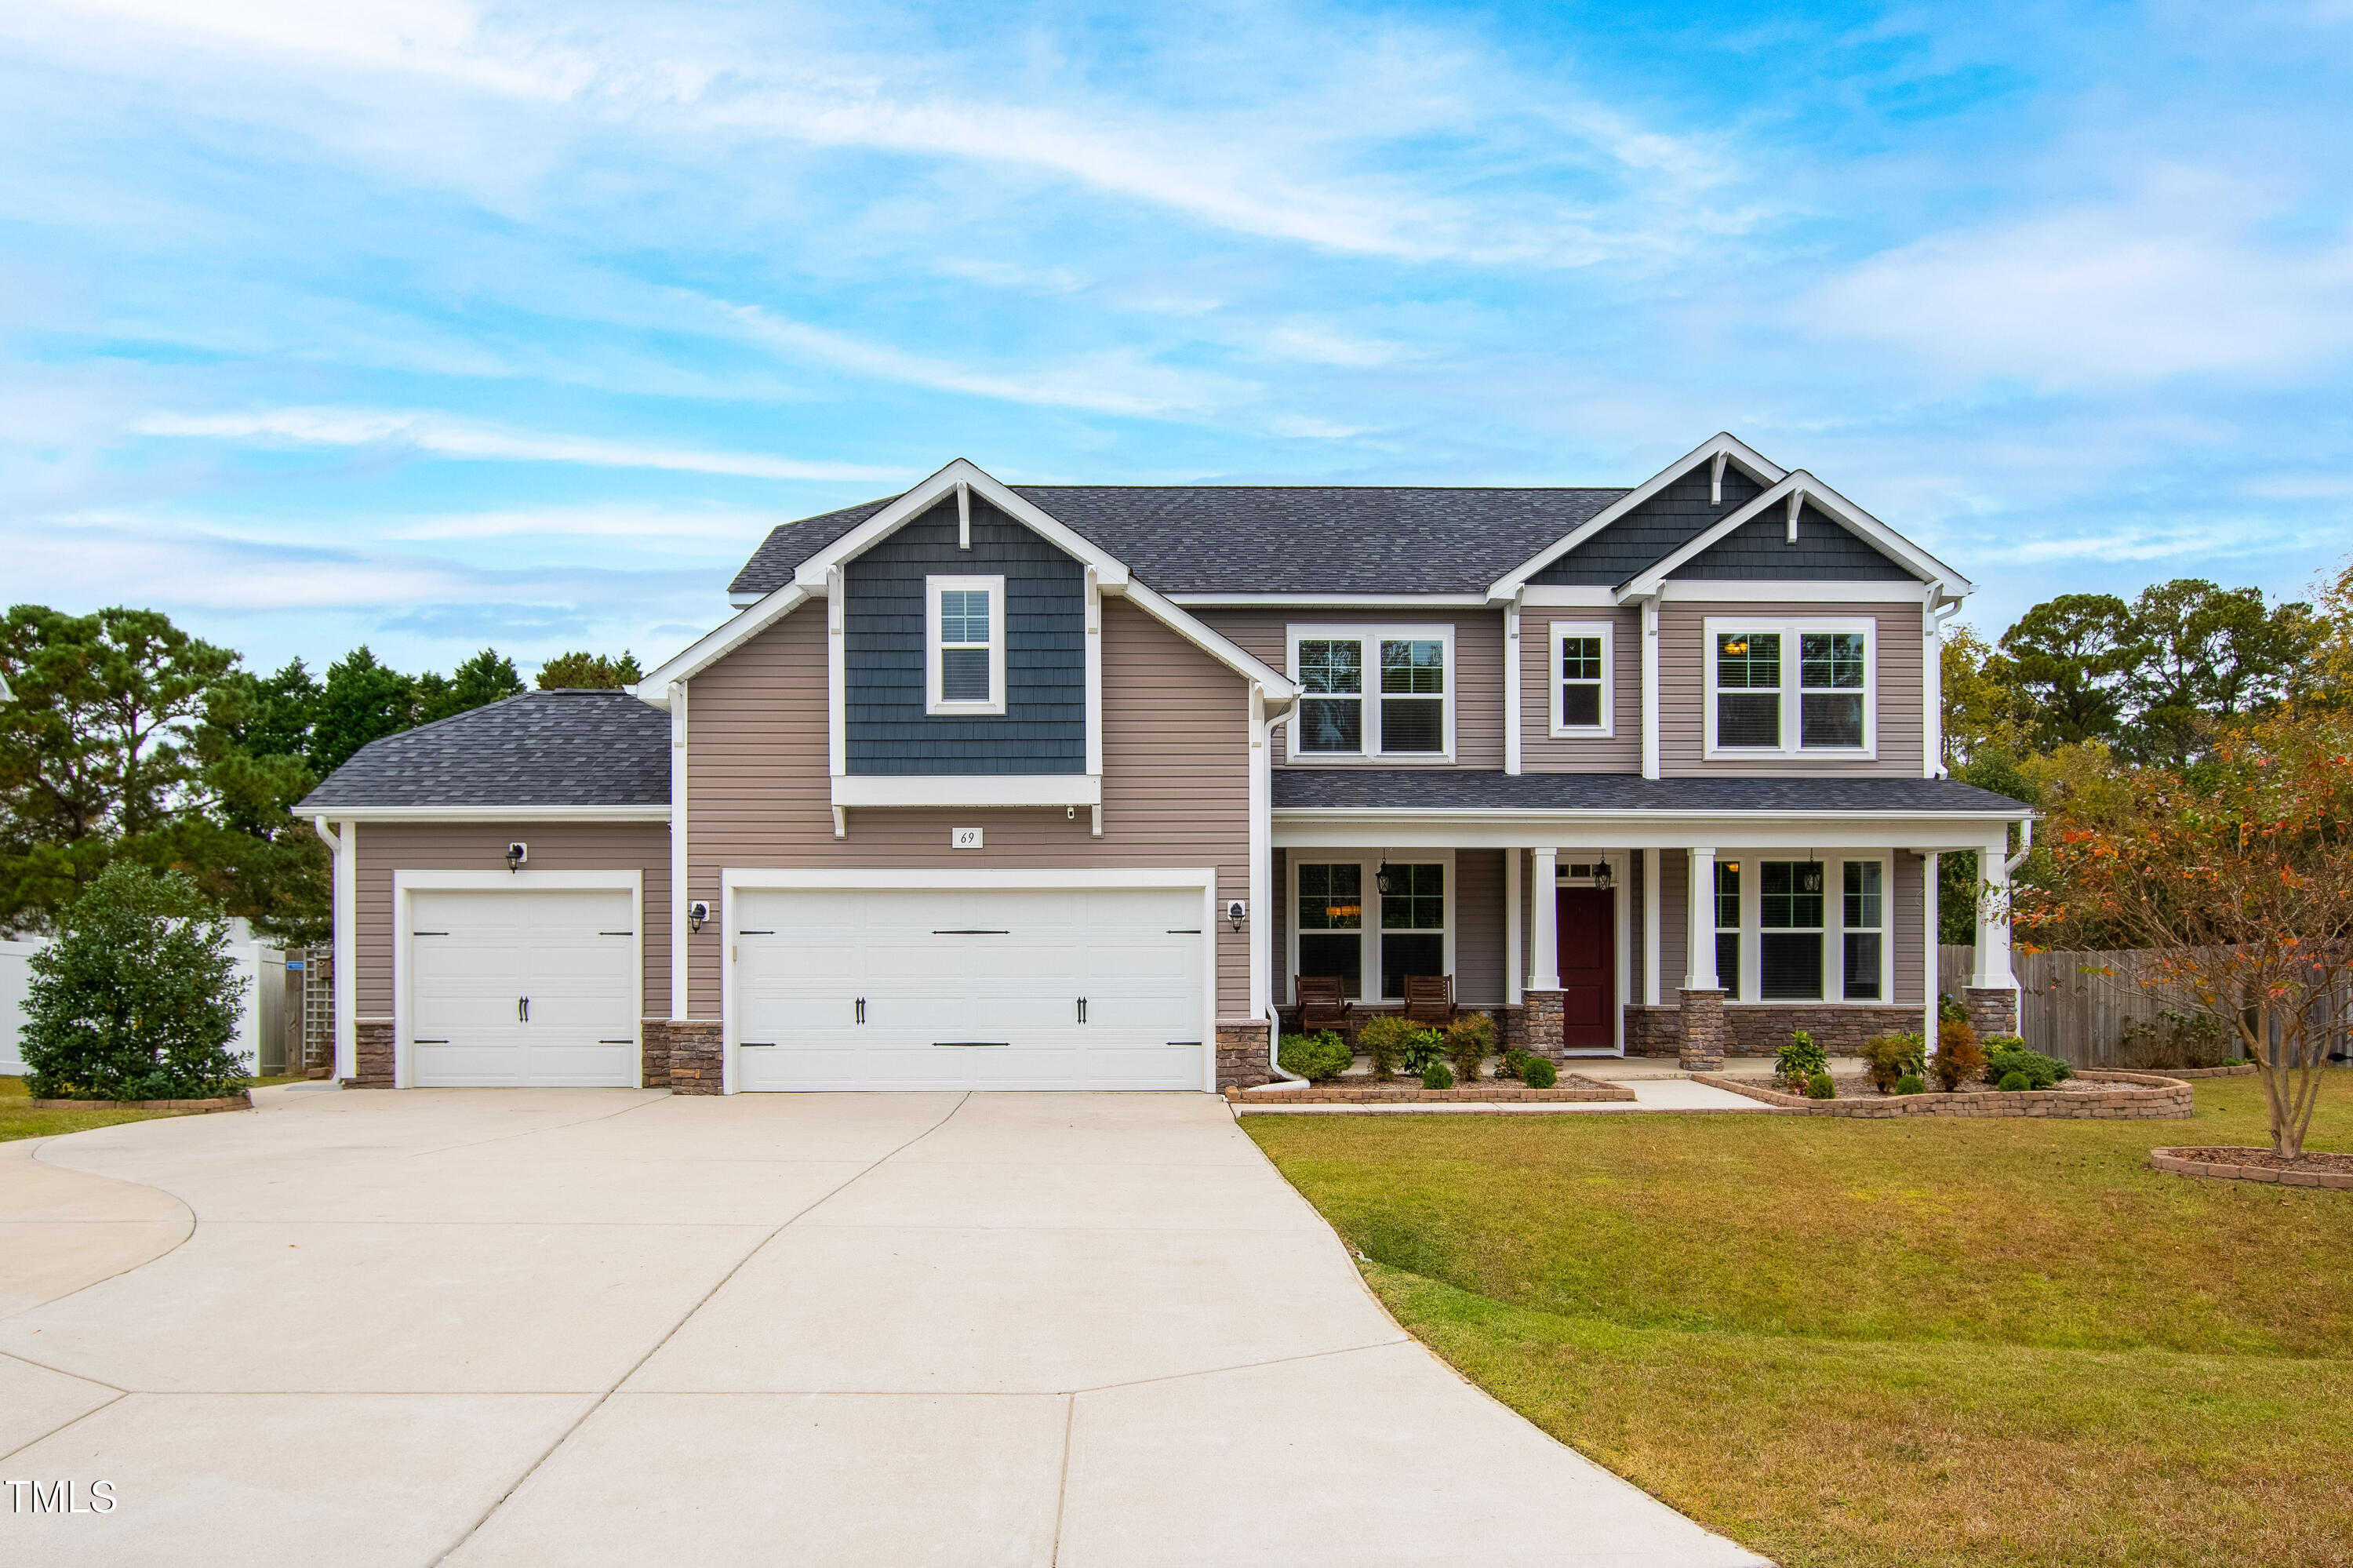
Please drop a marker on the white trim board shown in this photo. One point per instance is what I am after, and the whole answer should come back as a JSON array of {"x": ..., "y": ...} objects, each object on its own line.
[
  {"x": 976, "y": 789},
  {"x": 406, "y": 882},
  {"x": 748, "y": 879},
  {"x": 660, "y": 813}
]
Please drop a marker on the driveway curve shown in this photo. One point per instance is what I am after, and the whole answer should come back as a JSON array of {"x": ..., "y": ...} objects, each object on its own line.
[{"x": 507, "y": 1327}]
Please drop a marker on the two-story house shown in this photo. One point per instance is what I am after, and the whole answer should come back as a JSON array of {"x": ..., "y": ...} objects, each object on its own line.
[{"x": 1062, "y": 787}]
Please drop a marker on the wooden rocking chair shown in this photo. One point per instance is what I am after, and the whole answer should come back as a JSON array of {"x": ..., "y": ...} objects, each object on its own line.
[
  {"x": 1323, "y": 1004},
  {"x": 1430, "y": 1001}
]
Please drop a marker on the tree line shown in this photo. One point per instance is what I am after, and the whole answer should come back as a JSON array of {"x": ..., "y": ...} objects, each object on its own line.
[{"x": 122, "y": 738}]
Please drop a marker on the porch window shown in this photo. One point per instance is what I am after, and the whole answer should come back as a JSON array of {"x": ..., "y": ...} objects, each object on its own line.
[
  {"x": 1727, "y": 928},
  {"x": 1374, "y": 692},
  {"x": 1865, "y": 921},
  {"x": 1413, "y": 925},
  {"x": 1581, "y": 678},
  {"x": 1332, "y": 923},
  {"x": 964, "y": 671},
  {"x": 1790, "y": 936}
]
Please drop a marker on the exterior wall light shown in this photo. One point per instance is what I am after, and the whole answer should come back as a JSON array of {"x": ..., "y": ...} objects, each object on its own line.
[{"x": 696, "y": 914}]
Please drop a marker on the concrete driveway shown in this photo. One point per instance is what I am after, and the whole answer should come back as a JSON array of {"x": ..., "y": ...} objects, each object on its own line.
[{"x": 583, "y": 1327}]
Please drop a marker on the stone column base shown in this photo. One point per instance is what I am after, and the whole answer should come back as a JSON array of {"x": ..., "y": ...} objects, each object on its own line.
[
  {"x": 1242, "y": 1053},
  {"x": 690, "y": 1047},
  {"x": 653, "y": 1052},
  {"x": 1544, "y": 1021},
  {"x": 371, "y": 1054},
  {"x": 1702, "y": 1034},
  {"x": 1992, "y": 1010}
]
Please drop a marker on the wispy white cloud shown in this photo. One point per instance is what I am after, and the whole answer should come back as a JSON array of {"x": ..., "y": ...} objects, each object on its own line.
[{"x": 443, "y": 436}]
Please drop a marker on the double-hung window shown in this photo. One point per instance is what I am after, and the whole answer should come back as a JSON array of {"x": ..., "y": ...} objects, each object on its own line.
[
  {"x": 1865, "y": 920},
  {"x": 1372, "y": 692},
  {"x": 963, "y": 663},
  {"x": 1791, "y": 689},
  {"x": 1372, "y": 923},
  {"x": 1413, "y": 924},
  {"x": 1582, "y": 678},
  {"x": 1727, "y": 928},
  {"x": 1332, "y": 923},
  {"x": 1790, "y": 930}
]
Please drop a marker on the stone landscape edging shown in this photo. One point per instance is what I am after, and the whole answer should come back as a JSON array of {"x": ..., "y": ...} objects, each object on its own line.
[
  {"x": 1588, "y": 1092},
  {"x": 241, "y": 1100},
  {"x": 2240, "y": 1070},
  {"x": 2174, "y": 1163},
  {"x": 2139, "y": 1097}
]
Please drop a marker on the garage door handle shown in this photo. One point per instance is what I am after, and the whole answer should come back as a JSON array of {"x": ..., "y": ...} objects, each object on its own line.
[
  {"x": 522, "y": 1010},
  {"x": 1083, "y": 1009},
  {"x": 861, "y": 1009}
]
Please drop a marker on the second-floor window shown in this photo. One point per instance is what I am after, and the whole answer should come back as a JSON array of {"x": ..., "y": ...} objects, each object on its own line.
[
  {"x": 965, "y": 633},
  {"x": 1369, "y": 692},
  {"x": 1789, "y": 688},
  {"x": 1581, "y": 678}
]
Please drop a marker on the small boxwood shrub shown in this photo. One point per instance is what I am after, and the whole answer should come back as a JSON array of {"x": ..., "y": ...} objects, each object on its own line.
[
  {"x": 1893, "y": 1057},
  {"x": 1468, "y": 1040},
  {"x": 1539, "y": 1074},
  {"x": 2011, "y": 1056},
  {"x": 1438, "y": 1075},
  {"x": 1383, "y": 1037},
  {"x": 1800, "y": 1060},
  {"x": 1910, "y": 1083},
  {"x": 1958, "y": 1059},
  {"x": 2015, "y": 1080},
  {"x": 1514, "y": 1065},
  {"x": 1819, "y": 1086},
  {"x": 1318, "y": 1057}
]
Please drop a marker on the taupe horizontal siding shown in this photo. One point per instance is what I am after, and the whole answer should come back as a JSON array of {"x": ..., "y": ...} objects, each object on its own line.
[
  {"x": 1175, "y": 781},
  {"x": 1910, "y": 963},
  {"x": 1478, "y": 675},
  {"x": 1619, "y": 752},
  {"x": 1682, "y": 688},
  {"x": 1478, "y": 920},
  {"x": 387, "y": 847}
]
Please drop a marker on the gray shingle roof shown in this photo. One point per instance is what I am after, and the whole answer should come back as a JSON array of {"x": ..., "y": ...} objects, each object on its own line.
[
  {"x": 1262, "y": 538},
  {"x": 541, "y": 748},
  {"x": 1447, "y": 789}
]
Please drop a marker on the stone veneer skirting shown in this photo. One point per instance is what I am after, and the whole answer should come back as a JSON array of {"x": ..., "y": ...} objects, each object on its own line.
[
  {"x": 1992, "y": 1011},
  {"x": 1242, "y": 1053},
  {"x": 690, "y": 1047},
  {"x": 371, "y": 1054},
  {"x": 1762, "y": 1029},
  {"x": 2138, "y": 1096}
]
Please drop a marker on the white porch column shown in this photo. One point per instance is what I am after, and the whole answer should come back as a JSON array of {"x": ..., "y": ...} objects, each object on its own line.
[
  {"x": 1931, "y": 867},
  {"x": 1514, "y": 963},
  {"x": 1993, "y": 971},
  {"x": 346, "y": 906},
  {"x": 1699, "y": 924},
  {"x": 1544, "y": 937},
  {"x": 1652, "y": 897}
]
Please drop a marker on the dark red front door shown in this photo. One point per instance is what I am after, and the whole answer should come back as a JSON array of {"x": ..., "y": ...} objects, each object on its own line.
[{"x": 1589, "y": 969}]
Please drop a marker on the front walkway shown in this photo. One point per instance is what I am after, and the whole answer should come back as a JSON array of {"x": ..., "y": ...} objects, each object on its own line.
[{"x": 610, "y": 1327}]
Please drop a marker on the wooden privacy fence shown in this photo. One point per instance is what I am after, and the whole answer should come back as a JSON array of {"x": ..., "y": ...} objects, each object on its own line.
[{"x": 2076, "y": 1006}]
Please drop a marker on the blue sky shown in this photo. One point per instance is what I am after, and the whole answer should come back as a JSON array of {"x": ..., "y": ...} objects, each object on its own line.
[{"x": 437, "y": 326}]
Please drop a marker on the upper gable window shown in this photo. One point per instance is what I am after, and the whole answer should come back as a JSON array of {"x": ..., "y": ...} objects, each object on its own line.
[
  {"x": 1374, "y": 692},
  {"x": 1583, "y": 678},
  {"x": 1789, "y": 688},
  {"x": 965, "y": 645}
]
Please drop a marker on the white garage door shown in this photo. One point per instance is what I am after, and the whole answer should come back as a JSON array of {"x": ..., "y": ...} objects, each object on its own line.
[
  {"x": 938, "y": 990},
  {"x": 523, "y": 988}
]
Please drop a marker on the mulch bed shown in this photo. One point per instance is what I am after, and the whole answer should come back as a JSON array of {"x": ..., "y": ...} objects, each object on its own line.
[
  {"x": 1859, "y": 1086},
  {"x": 2310, "y": 1169},
  {"x": 1357, "y": 1089}
]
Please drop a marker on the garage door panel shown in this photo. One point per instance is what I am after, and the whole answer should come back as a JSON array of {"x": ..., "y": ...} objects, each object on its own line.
[
  {"x": 1004, "y": 967},
  {"x": 476, "y": 956}
]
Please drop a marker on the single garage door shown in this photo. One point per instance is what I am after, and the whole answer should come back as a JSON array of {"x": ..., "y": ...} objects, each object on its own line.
[
  {"x": 938, "y": 990},
  {"x": 523, "y": 988}
]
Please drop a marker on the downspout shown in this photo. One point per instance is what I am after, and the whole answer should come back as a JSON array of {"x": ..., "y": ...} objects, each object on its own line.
[
  {"x": 1263, "y": 877},
  {"x": 2025, "y": 847}
]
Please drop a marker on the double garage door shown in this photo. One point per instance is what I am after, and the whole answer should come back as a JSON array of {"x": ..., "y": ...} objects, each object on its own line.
[
  {"x": 1046, "y": 988},
  {"x": 514, "y": 989}
]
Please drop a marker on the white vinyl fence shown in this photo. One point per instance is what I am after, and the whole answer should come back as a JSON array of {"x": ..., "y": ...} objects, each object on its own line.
[{"x": 262, "y": 1023}]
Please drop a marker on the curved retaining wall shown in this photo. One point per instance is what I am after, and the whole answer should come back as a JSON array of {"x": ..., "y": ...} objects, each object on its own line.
[{"x": 2137, "y": 1096}]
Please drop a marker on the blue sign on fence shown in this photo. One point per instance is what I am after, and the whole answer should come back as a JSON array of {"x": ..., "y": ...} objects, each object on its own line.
[{"x": 294, "y": 966}]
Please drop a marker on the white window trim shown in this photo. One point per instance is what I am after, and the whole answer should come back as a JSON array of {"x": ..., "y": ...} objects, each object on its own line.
[
  {"x": 934, "y": 586},
  {"x": 1562, "y": 631},
  {"x": 1368, "y": 958},
  {"x": 1370, "y": 638},
  {"x": 1790, "y": 632},
  {"x": 1833, "y": 931}
]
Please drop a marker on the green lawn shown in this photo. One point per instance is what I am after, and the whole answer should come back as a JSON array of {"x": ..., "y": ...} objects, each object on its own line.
[
  {"x": 20, "y": 1119},
  {"x": 1915, "y": 1342}
]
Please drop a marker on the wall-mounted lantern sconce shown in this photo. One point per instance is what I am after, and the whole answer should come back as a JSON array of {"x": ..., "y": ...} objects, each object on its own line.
[
  {"x": 516, "y": 855},
  {"x": 696, "y": 914},
  {"x": 1236, "y": 912}
]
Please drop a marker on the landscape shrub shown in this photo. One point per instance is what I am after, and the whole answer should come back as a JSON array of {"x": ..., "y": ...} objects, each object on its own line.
[
  {"x": 1438, "y": 1075},
  {"x": 1800, "y": 1060},
  {"x": 2008, "y": 1055},
  {"x": 1423, "y": 1047},
  {"x": 2174, "y": 1040},
  {"x": 1910, "y": 1083},
  {"x": 1318, "y": 1057},
  {"x": 137, "y": 998},
  {"x": 1539, "y": 1074},
  {"x": 1468, "y": 1040},
  {"x": 1514, "y": 1065},
  {"x": 1383, "y": 1037},
  {"x": 1958, "y": 1059},
  {"x": 1893, "y": 1057},
  {"x": 2015, "y": 1081},
  {"x": 1819, "y": 1086}
]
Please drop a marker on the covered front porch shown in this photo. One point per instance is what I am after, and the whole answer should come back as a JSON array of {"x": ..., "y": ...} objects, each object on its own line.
[{"x": 1669, "y": 919}]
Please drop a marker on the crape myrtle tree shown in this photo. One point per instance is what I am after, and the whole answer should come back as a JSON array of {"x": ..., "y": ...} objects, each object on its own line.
[
  {"x": 2239, "y": 885},
  {"x": 138, "y": 997}
]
